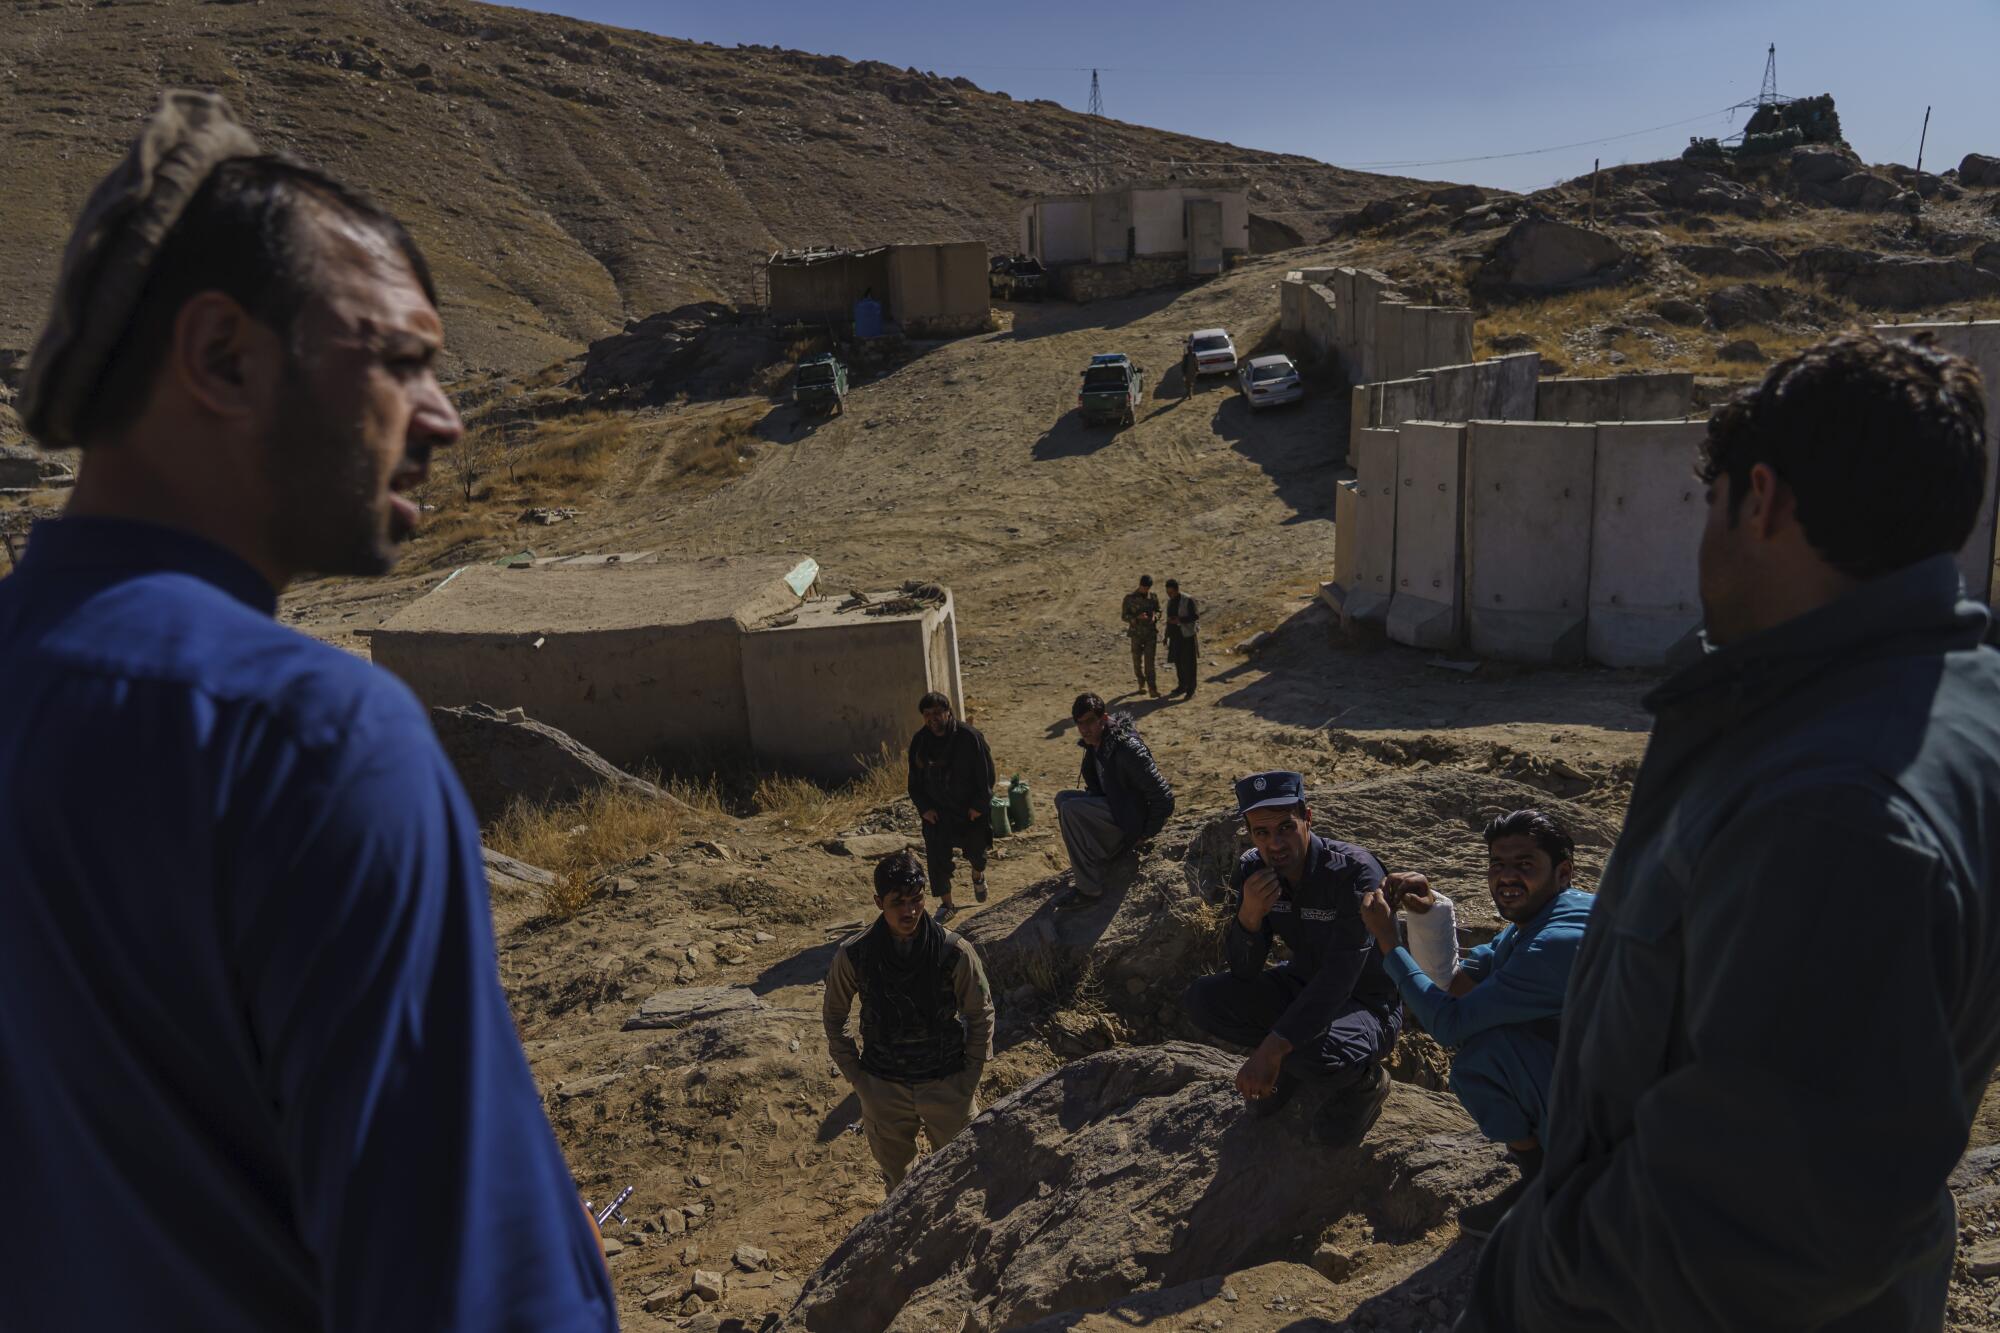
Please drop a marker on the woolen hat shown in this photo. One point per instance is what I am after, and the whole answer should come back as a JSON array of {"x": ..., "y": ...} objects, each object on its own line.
[
  {"x": 111, "y": 252},
  {"x": 1274, "y": 788}
]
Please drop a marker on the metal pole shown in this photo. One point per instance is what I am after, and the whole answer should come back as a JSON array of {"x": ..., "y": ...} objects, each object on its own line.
[
  {"x": 1594, "y": 163},
  {"x": 1920, "y": 140}
]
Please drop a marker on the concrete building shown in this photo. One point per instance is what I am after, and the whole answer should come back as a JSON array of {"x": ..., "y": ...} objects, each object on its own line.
[
  {"x": 669, "y": 661},
  {"x": 930, "y": 290},
  {"x": 1149, "y": 233}
]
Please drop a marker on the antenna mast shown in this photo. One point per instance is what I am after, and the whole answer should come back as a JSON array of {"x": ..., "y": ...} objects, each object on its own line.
[
  {"x": 1097, "y": 114},
  {"x": 1768, "y": 94}
]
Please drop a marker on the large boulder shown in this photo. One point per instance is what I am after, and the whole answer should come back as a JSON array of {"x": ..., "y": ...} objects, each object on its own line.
[
  {"x": 1746, "y": 303},
  {"x": 1539, "y": 255},
  {"x": 1895, "y": 282},
  {"x": 1987, "y": 257},
  {"x": 1128, "y": 1171},
  {"x": 1980, "y": 170},
  {"x": 1728, "y": 261},
  {"x": 503, "y": 756},
  {"x": 1817, "y": 164}
]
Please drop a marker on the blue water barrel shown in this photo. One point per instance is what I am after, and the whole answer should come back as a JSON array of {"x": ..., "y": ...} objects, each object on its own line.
[{"x": 867, "y": 318}]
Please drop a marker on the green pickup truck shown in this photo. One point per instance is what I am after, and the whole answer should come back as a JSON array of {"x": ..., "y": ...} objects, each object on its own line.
[
  {"x": 1111, "y": 390},
  {"x": 820, "y": 384}
]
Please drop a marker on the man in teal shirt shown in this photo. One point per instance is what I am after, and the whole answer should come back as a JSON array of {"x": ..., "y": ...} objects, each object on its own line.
[{"x": 1500, "y": 1008}]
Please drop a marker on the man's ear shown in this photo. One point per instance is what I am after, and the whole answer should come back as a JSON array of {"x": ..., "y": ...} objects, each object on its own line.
[
  {"x": 221, "y": 357},
  {"x": 1565, "y": 871},
  {"x": 1768, "y": 504}
]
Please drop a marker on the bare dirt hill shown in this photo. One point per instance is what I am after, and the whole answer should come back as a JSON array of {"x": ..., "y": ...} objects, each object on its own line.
[{"x": 564, "y": 176}]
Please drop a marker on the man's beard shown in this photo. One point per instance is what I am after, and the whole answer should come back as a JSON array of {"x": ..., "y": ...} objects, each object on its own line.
[{"x": 329, "y": 517}]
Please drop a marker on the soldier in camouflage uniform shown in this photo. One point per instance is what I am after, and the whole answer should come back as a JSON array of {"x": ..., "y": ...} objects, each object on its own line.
[{"x": 1141, "y": 614}]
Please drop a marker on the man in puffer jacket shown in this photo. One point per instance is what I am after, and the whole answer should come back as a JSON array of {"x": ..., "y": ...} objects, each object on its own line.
[{"x": 1125, "y": 801}]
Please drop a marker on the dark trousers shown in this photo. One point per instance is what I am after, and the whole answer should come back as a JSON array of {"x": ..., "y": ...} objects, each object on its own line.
[
  {"x": 1243, "y": 1009},
  {"x": 953, "y": 830},
  {"x": 1181, "y": 652},
  {"x": 1143, "y": 651}
]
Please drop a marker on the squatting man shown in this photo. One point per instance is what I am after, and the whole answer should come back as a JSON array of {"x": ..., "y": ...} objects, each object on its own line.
[
  {"x": 1327, "y": 1018},
  {"x": 1500, "y": 1008},
  {"x": 926, "y": 1021}
]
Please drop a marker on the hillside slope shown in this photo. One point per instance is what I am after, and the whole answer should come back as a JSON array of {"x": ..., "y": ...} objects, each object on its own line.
[{"x": 564, "y": 176}]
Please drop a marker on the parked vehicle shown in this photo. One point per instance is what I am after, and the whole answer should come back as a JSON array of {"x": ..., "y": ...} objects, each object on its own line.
[
  {"x": 820, "y": 384},
  {"x": 1267, "y": 381},
  {"x": 1213, "y": 351},
  {"x": 1112, "y": 388}
]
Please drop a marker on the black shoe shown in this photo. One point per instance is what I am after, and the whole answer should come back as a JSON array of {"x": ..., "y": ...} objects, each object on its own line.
[
  {"x": 1077, "y": 899},
  {"x": 1352, "y": 1113},
  {"x": 1479, "y": 1219},
  {"x": 979, "y": 889},
  {"x": 945, "y": 912},
  {"x": 1282, "y": 1093}
]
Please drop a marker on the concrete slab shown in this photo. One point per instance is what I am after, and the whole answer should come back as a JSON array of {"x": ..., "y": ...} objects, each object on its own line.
[
  {"x": 1978, "y": 343},
  {"x": 1427, "y": 609},
  {"x": 1344, "y": 325},
  {"x": 1454, "y": 392},
  {"x": 1510, "y": 396},
  {"x": 1319, "y": 319},
  {"x": 1647, "y": 513},
  {"x": 1346, "y": 525},
  {"x": 1404, "y": 400},
  {"x": 1527, "y": 538},
  {"x": 1360, "y": 408},
  {"x": 1373, "y": 552},
  {"x": 690, "y": 1004},
  {"x": 1447, "y": 337},
  {"x": 1654, "y": 396},
  {"x": 1291, "y": 303},
  {"x": 1388, "y": 350}
]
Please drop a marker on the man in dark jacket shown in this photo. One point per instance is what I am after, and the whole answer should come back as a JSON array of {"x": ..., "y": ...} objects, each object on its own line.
[
  {"x": 926, "y": 1021},
  {"x": 1331, "y": 1014},
  {"x": 1183, "y": 627},
  {"x": 1787, "y": 1003},
  {"x": 1125, "y": 800},
  {"x": 951, "y": 784}
]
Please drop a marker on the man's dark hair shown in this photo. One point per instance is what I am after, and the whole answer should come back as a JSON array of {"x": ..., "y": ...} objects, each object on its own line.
[
  {"x": 1173, "y": 583},
  {"x": 1085, "y": 705},
  {"x": 1145, "y": 580},
  {"x": 899, "y": 873},
  {"x": 1882, "y": 444},
  {"x": 1548, "y": 833},
  {"x": 934, "y": 699},
  {"x": 246, "y": 234}
]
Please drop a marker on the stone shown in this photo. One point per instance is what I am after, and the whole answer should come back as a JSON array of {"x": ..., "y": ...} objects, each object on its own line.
[
  {"x": 1895, "y": 282},
  {"x": 1742, "y": 349},
  {"x": 692, "y": 1303},
  {"x": 1728, "y": 261},
  {"x": 659, "y": 1301},
  {"x": 1127, "y": 1172},
  {"x": 673, "y": 1222},
  {"x": 691, "y": 1252},
  {"x": 1987, "y": 257},
  {"x": 691, "y": 1004},
  {"x": 1678, "y": 310},
  {"x": 706, "y": 1284},
  {"x": 611, "y": 1247},
  {"x": 694, "y": 1210},
  {"x": 1816, "y": 164},
  {"x": 1539, "y": 255},
  {"x": 869, "y": 846},
  {"x": 504, "y": 873},
  {"x": 1457, "y": 198},
  {"x": 750, "y": 1258},
  {"x": 1745, "y": 303},
  {"x": 1979, "y": 169},
  {"x": 1983, "y": 1260},
  {"x": 504, "y": 756}
]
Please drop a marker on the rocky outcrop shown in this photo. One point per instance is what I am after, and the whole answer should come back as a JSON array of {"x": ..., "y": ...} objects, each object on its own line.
[
  {"x": 1728, "y": 261},
  {"x": 504, "y": 756},
  {"x": 1538, "y": 255},
  {"x": 1129, "y": 1171},
  {"x": 1977, "y": 169},
  {"x": 695, "y": 348},
  {"x": 1895, "y": 282},
  {"x": 1746, "y": 303}
]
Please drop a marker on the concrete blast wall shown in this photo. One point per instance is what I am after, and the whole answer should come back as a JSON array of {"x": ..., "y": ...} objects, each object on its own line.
[
  {"x": 1980, "y": 344},
  {"x": 1655, "y": 396},
  {"x": 1318, "y": 328},
  {"x": 1647, "y": 512},
  {"x": 1427, "y": 609},
  {"x": 1527, "y": 538},
  {"x": 829, "y": 691},
  {"x": 943, "y": 281},
  {"x": 1365, "y": 576}
]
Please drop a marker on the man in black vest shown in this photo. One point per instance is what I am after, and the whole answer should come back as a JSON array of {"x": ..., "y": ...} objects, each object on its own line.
[
  {"x": 926, "y": 1021},
  {"x": 1183, "y": 618},
  {"x": 951, "y": 784}
]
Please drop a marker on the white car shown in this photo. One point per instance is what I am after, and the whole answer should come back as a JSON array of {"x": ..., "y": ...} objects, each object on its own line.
[
  {"x": 1213, "y": 351},
  {"x": 1267, "y": 381}
]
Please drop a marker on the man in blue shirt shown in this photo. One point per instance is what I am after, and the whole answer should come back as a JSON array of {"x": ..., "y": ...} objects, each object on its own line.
[
  {"x": 249, "y": 1009},
  {"x": 1330, "y": 1015},
  {"x": 1500, "y": 1009}
]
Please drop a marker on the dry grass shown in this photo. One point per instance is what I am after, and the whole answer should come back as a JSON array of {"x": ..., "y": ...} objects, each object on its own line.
[
  {"x": 810, "y": 808},
  {"x": 579, "y": 840},
  {"x": 718, "y": 447}
]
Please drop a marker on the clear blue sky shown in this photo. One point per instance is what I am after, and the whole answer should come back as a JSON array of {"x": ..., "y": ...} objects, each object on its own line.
[{"x": 1360, "y": 83}]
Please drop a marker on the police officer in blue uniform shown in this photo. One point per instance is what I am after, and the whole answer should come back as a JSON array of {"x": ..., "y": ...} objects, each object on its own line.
[{"x": 1329, "y": 1016}]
